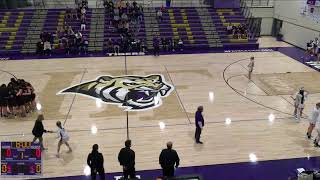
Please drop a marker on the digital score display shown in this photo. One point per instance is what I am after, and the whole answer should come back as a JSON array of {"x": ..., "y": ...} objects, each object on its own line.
[{"x": 20, "y": 159}]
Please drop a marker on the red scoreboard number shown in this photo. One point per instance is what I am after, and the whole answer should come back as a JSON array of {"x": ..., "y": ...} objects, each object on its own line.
[{"x": 5, "y": 168}]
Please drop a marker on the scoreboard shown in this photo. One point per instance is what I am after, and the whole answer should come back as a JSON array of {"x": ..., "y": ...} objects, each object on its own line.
[{"x": 20, "y": 158}]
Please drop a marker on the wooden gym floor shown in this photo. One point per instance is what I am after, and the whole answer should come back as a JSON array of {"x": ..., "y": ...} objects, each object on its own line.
[{"x": 199, "y": 79}]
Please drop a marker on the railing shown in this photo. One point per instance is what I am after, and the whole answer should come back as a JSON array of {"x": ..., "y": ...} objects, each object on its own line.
[
  {"x": 99, "y": 3},
  {"x": 259, "y": 3},
  {"x": 254, "y": 24}
]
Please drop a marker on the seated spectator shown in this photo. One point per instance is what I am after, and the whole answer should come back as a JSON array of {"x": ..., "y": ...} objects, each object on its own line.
[
  {"x": 180, "y": 45},
  {"x": 83, "y": 46},
  {"x": 164, "y": 44},
  {"x": 159, "y": 15},
  {"x": 70, "y": 31},
  {"x": 47, "y": 48},
  {"x": 40, "y": 48},
  {"x": 143, "y": 46},
  {"x": 229, "y": 28},
  {"x": 116, "y": 47},
  {"x": 124, "y": 17},
  {"x": 74, "y": 14},
  {"x": 109, "y": 46},
  {"x": 156, "y": 46}
]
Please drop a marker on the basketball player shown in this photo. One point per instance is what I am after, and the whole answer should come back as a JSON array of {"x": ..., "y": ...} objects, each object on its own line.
[
  {"x": 64, "y": 138},
  {"x": 3, "y": 100},
  {"x": 299, "y": 100},
  {"x": 316, "y": 141},
  {"x": 250, "y": 67},
  {"x": 313, "y": 119}
]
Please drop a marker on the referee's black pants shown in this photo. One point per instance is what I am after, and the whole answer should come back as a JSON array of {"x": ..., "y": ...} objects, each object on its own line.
[{"x": 197, "y": 134}]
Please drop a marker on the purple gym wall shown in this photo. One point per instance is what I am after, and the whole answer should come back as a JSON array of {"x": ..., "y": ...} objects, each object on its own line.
[{"x": 226, "y": 4}]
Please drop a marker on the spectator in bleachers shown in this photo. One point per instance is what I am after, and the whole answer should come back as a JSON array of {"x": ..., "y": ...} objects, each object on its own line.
[
  {"x": 180, "y": 45},
  {"x": 109, "y": 46},
  {"x": 229, "y": 28},
  {"x": 164, "y": 44},
  {"x": 39, "y": 50},
  {"x": 309, "y": 50},
  {"x": 156, "y": 46},
  {"x": 83, "y": 24},
  {"x": 159, "y": 15},
  {"x": 47, "y": 48},
  {"x": 84, "y": 3},
  {"x": 143, "y": 46},
  {"x": 83, "y": 48},
  {"x": 70, "y": 32},
  {"x": 315, "y": 45},
  {"x": 116, "y": 46},
  {"x": 68, "y": 13}
]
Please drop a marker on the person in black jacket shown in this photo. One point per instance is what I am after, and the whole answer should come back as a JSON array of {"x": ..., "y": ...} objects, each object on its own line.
[
  {"x": 38, "y": 131},
  {"x": 168, "y": 159},
  {"x": 95, "y": 162},
  {"x": 126, "y": 159}
]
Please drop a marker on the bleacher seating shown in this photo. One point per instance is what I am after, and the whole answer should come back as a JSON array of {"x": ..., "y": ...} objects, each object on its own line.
[
  {"x": 13, "y": 28},
  {"x": 199, "y": 28}
]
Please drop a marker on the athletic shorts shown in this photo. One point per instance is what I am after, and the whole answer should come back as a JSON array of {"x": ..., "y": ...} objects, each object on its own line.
[
  {"x": 21, "y": 100},
  {"x": 312, "y": 121},
  {"x": 2, "y": 102},
  {"x": 12, "y": 101}
]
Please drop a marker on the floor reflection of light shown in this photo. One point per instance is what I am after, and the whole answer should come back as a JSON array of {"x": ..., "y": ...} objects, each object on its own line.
[
  {"x": 94, "y": 129},
  {"x": 308, "y": 156},
  {"x": 253, "y": 157},
  {"x": 228, "y": 121},
  {"x": 211, "y": 96},
  {"x": 39, "y": 107},
  {"x": 271, "y": 117},
  {"x": 86, "y": 170},
  {"x": 162, "y": 125},
  {"x": 98, "y": 103}
]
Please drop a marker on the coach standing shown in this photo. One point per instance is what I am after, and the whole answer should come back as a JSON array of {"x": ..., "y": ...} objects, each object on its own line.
[
  {"x": 38, "y": 131},
  {"x": 199, "y": 121},
  {"x": 126, "y": 159},
  {"x": 168, "y": 159}
]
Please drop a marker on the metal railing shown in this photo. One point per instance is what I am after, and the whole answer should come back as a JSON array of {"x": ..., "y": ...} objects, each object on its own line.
[
  {"x": 254, "y": 24},
  {"x": 99, "y": 3},
  {"x": 259, "y": 3}
]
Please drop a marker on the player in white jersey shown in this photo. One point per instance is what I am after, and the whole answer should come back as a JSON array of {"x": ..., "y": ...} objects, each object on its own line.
[
  {"x": 313, "y": 119},
  {"x": 299, "y": 101},
  {"x": 64, "y": 138},
  {"x": 250, "y": 67},
  {"x": 317, "y": 139}
]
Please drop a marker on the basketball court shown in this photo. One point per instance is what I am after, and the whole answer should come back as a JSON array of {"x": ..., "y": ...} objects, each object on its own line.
[{"x": 242, "y": 116}]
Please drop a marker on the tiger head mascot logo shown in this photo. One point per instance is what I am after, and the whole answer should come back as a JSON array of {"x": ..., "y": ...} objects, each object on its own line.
[{"x": 135, "y": 93}]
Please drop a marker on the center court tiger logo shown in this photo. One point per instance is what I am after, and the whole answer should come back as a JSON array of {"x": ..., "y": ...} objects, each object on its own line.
[{"x": 135, "y": 93}]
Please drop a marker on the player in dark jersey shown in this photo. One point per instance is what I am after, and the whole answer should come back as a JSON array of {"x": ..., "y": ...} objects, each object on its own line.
[{"x": 3, "y": 100}]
